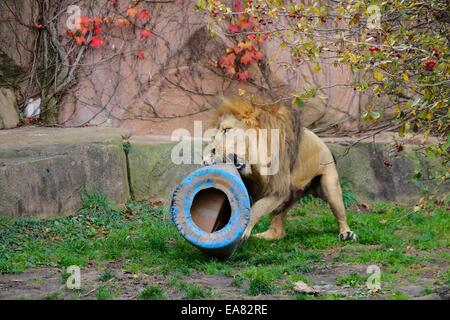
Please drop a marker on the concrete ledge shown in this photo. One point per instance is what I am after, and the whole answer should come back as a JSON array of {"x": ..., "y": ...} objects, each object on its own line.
[
  {"x": 153, "y": 175},
  {"x": 43, "y": 169},
  {"x": 376, "y": 172}
]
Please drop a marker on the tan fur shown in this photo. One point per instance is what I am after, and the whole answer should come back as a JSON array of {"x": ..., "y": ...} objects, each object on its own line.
[{"x": 306, "y": 164}]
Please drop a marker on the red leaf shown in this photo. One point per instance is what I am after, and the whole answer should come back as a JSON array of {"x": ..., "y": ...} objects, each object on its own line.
[
  {"x": 97, "y": 29},
  {"x": 246, "y": 23},
  {"x": 247, "y": 58},
  {"x": 233, "y": 28},
  {"x": 257, "y": 55},
  {"x": 140, "y": 54},
  {"x": 97, "y": 42},
  {"x": 144, "y": 16},
  {"x": 244, "y": 75},
  {"x": 145, "y": 34},
  {"x": 97, "y": 20},
  {"x": 430, "y": 65},
  {"x": 85, "y": 22},
  {"x": 228, "y": 60},
  {"x": 237, "y": 6},
  {"x": 80, "y": 40}
]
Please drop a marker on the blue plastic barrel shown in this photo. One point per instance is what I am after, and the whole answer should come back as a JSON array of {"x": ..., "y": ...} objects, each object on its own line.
[{"x": 211, "y": 209}]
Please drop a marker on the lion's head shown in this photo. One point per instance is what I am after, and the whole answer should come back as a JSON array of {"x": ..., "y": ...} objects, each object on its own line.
[{"x": 260, "y": 139}]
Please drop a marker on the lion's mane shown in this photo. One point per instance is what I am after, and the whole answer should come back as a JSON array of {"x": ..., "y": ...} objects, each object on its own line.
[{"x": 269, "y": 116}]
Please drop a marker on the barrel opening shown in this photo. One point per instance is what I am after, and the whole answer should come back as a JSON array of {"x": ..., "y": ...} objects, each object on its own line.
[{"x": 211, "y": 210}]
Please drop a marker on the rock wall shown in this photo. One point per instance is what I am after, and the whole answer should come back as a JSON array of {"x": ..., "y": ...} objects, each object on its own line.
[
  {"x": 42, "y": 170},
  {"x": 9, "y": 117}
]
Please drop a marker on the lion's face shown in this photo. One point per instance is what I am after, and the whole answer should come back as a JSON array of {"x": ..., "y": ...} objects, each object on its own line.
[{"x": 229, "y": 144}]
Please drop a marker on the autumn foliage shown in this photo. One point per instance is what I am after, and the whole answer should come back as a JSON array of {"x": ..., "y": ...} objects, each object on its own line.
[
  {"x": 90, "y": 30},
  {"x": 398, "y": 51},
  {"x": 246, "y": 32}
]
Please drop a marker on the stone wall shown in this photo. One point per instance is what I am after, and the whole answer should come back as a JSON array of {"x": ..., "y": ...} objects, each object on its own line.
[{"x": 42, "y": 170}]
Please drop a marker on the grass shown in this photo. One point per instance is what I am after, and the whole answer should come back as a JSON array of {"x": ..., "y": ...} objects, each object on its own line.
[
  {"x": 152, "y": 293},
  {"x": 104, "y": 292},
  {"x": 145, "y": 241},
  {"x": 106, "y": 276},
  {"x": 351, "y": 280},
  {"x": 260, "y": 286},
  {"x": 191, "y": 291}
]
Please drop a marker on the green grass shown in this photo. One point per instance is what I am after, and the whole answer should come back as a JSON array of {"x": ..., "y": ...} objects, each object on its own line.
[
  {"x": 259, "y": 286},
  {"x": 191, "y": 291},
  {"x": 145, "y": 240},
  {"x": 152, "y": 293},
  {"x": 105, "y": 292},
  {"x": 106, "y": 276},
  {"x": 351, "y": 280}
]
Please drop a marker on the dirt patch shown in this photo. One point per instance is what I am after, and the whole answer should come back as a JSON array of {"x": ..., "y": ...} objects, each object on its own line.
[{"x": 48, "y": 283}]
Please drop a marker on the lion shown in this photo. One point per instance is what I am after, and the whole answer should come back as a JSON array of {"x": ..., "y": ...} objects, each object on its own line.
[{"x": 304, "y": 165}]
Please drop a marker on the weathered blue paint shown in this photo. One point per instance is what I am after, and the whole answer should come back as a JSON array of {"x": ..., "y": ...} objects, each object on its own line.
[{"x": 226, "y": 179}]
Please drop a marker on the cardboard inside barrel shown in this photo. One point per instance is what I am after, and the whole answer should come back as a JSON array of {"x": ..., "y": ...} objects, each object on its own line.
[{"x": 211, "y": 210}]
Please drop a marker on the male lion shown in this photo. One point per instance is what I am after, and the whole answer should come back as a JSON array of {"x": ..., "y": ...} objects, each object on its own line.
[{"x": 305, "y": 164}]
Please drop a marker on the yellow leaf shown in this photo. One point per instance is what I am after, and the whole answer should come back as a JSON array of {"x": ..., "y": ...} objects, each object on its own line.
[
  {"x": 241, "y": 92},
  {"x": 316, "y": 68},
  {"x": 406, "y": 77},
  {"x": 378, "y": 75}
]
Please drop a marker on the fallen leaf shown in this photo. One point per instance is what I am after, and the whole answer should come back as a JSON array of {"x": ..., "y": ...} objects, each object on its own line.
[{"x": 378, "y": 75}]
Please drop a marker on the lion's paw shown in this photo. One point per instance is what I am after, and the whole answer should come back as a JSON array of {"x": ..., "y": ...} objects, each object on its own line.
[
  {"x": 270, "y": 236},
  {"x": 349, "y": 235},
  {"x": 245, "y": 236}
]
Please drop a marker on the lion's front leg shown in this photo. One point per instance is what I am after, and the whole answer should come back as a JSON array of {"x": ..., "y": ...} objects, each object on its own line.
[
  {"x": 259, "y": 209},
  {"x": 276, "y": 230}
]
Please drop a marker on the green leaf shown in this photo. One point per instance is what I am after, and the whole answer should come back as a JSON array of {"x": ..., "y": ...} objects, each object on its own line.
[{"x": 300, "y": 103}]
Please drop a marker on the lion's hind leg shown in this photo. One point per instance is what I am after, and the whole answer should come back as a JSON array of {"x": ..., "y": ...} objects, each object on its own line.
[{"x": 332, "y": 193}]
